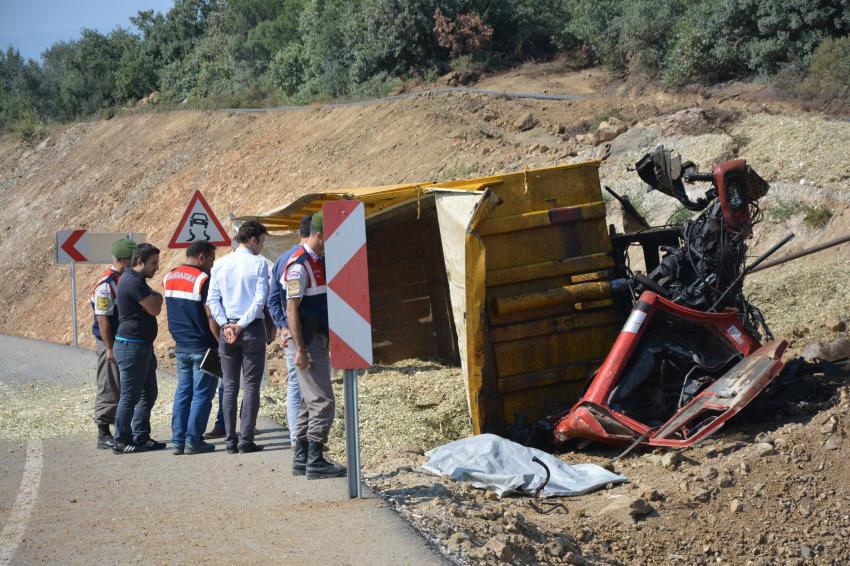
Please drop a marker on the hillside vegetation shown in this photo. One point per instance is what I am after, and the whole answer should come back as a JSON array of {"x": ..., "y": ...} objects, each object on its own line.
[{"x": 228, "y": 53}]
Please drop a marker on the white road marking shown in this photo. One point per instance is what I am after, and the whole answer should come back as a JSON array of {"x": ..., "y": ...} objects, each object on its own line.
[{"x": 16, "y": 526}]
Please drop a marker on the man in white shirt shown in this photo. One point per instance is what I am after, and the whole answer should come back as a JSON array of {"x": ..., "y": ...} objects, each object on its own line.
[{"x": 239, "y": 287}]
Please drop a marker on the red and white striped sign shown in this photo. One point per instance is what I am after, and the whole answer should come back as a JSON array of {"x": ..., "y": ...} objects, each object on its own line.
[{"x": 347, "y": 273}]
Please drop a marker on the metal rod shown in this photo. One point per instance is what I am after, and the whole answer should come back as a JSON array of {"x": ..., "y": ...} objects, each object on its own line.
[
  {"x": 352, "y": 433},
  {"x": 750, "y": 267},
  {"x": 74, "y": 302},
  {"x": 803, "y": 253}
]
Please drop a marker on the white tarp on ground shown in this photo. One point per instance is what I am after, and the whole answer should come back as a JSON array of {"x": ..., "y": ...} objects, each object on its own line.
[{"x": 492, "y": 462}]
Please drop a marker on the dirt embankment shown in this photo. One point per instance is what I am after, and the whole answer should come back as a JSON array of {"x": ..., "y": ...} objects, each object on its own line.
[{"x": 137, "y": 172}]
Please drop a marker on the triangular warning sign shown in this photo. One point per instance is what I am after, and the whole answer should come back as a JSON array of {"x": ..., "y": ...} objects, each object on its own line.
[{"x": 199, "y": 223}]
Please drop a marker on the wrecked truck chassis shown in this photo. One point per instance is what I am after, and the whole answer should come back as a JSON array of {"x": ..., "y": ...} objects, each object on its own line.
[{"x": 613, "y": 410}]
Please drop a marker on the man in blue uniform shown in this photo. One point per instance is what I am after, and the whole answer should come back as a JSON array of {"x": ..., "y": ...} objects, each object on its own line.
[
  {"x": 277, "y": 308},
  {"x": 194, "y": 332}
]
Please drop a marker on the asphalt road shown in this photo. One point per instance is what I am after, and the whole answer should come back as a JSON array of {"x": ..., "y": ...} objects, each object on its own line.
[{"x": 61, "y": 500}]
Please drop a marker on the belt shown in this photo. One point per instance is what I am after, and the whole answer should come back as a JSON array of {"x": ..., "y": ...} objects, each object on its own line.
[{"x": 130, "y": 340}]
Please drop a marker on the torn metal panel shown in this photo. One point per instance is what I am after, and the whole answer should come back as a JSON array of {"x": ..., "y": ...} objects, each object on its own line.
[{"x": 673, "y": 377}]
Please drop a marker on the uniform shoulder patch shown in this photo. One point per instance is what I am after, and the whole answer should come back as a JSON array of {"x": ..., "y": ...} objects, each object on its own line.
[
  {"x": 102, "y": 303},
  {"x": 293, "y": 287}
]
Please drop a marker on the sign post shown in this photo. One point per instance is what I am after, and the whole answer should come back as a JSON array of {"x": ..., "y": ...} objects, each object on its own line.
[
  {"x": 82, "y": 246},
  {"x": 349, "y": 319}
]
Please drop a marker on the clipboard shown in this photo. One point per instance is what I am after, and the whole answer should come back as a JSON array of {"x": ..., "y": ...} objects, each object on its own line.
[{"x": 212, "y": 363}]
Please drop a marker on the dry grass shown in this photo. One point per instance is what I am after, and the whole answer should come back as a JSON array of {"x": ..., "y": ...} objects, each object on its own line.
[
  {"x": 409, "y": 402},
  {"x": 44, "y": 411}
]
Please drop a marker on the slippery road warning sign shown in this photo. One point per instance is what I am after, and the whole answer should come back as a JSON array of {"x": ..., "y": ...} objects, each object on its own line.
[
  {"x": 198, "y": 224},
  {"x": 347, "y": 274}
]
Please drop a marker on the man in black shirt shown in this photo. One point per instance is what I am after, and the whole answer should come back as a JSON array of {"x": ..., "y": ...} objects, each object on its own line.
[{"x": 138, "y": 306}]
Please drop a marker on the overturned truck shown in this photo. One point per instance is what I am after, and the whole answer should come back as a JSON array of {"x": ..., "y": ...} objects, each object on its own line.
[{"x": 517, "y": 278}]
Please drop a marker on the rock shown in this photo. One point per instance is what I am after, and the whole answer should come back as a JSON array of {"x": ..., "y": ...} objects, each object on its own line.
[
  {"x": 154, "y": 97},
  {"x": 830, "y": 425},
  {"x": 836, "y": 325},
  {"x": 627, "y": 509},
  {"x": 726, "y": 480},
  {"x": 636, "y": 140},
  {"x": 491, "y": 512},
  {"x": 585, "y": 139},
  {"x": 459, "y": 538},
  {"x": 701, "y": 495},
  {"x": 764, "y": 449},
  {"x": 608, "y": 130},
  {"x": 670, "y": 459},
  {"x": 555, "y": 548},
  {"x": 525, "y": 122},
  {"x": 491, "y": 496},
  {"x": 764, "y": 437},
  {"x": 500, "y": 548},
  {"x": 833, "y": 443},
  {"x": 827, "y": 351},
  {"x": 651, "y": 494},
  {"x": 455, "y": 78},
  {"x": 806, "y": 553},
  {"x": 487, "y": 130},
  {"x": 736, "y": 506},
  {"x": 439, "y": 490},
  {"x": 410, "y": 448}
]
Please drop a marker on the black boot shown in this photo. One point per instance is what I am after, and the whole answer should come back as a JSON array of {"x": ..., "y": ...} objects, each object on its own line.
[
  {"x": 318, "y": 468},
  {"x": 299, "y": 458},
  {"x": 105, "y": 441}
]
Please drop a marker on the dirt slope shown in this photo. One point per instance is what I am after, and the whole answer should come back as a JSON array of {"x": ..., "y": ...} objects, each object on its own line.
[{"x": 137, "y": 171}]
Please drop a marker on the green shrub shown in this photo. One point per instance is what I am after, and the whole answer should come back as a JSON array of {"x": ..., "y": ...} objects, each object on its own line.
[
  {"x": 815, "y": 216},
  {"x": 828, "y": 76},
  {"x": 286, "y": 71},
  {"x": 29, "y": 128}
]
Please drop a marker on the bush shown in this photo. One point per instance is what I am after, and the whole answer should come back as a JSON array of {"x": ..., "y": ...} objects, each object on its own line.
[
  {"x": 29, "y": 128},
  {"x": 286, "y": 71},
  {"x": 715, "y": 41},
  {"x": 828, "y": 76},
  {"x": 467, "y": 35}
]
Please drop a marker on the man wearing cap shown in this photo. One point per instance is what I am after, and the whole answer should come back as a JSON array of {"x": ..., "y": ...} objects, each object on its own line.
[
  {"x": 277, "y": 308},
  {"x": 105, "y": 315},
  {"x": 307, "y": 316}
]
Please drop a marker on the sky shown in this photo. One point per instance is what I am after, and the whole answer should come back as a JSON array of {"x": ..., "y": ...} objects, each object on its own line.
[{"x": 32, "y": 26}]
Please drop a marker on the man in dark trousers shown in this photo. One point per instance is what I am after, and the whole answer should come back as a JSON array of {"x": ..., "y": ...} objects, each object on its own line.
[
  {"x": 277, "y": 308},
  {"x": 239, "y": 288},
  {"x": 104, "y": 326},
  {"x": 307, "y": 315},
  {"x": 194, "y": 332},
  {"x": 138, "y": 307}
]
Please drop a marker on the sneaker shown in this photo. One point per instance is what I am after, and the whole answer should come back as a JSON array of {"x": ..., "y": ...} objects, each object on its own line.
[
  {"x": 151, "y": 444},
  {"x": 177, "y": 449},
  {"x": 128, "y": 448},
  {"x": 216, "y": 432},
  {"x": 232, "y": 448},
  {"x": 249, "y": 447},
  {"x": 199, "y": 447}
]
